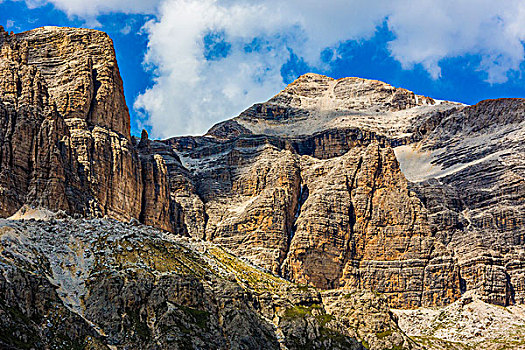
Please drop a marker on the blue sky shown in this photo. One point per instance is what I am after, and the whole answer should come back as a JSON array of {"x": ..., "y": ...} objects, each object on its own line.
[{"x": 187, "y": 64}]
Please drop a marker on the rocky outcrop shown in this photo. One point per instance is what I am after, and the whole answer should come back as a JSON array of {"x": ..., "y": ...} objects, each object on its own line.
[
  {"x": 377, "y": 234},
  {"x": 239, "y": 182},
  {"x": 65, "y": 133},
  {"x": 33, "y": 316},
  {"x": 315, "y": 103},
  {"x": 81, "y": 72},
  {"x": 472, "y": 181},
  {"x": 187, "y": 215},
  {"x": 104, "y": 284},
  {"x": 349, "y": 221},
  {"x": 157, "y": 208}
]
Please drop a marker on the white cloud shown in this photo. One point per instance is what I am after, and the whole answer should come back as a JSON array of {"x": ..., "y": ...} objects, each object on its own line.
[
  {"x": 190, "y": 93},
  {"x": 432, "y": 31},
  {"x": 90, "y": 9},
  {"x": 85, "y": 8}
]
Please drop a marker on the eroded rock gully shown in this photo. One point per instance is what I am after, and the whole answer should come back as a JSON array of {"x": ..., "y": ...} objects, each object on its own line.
[{"x": 334, "y": 184}]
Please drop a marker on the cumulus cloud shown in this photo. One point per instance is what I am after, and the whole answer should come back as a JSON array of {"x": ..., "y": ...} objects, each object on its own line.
[
  {"x": 192, "y": 91},
  {"x": 432, "y": 31},
  {"x": 213, "y": 58},
  {"x": 194, "y": 87}
]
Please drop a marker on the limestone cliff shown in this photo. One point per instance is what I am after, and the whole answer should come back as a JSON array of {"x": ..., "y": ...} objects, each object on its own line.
[
  {"x": 421, "y": 200},
  {"x": 65, "y": 132}
]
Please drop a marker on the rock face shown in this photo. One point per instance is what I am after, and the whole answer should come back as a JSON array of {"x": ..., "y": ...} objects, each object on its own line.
[
  {"x": 349, "y": 221},
  {"x": 31, "y": 158},
  {"x": 346, "y": 184},
  {"x": 377, "y": 235},
  {"x": 472, "y": 181},
  {"x": 418, "y": 199},
  {"x": 65, "y": 131}
]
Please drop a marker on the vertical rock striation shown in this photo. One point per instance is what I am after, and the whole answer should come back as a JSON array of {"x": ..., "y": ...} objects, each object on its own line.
[
  {"x": 34, "y": 156},
  {"x": 65, "y": 132}
]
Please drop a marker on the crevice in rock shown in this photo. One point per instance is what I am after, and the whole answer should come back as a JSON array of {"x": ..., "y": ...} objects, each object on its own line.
[
  {"x": 462, "y": 282},
  {"x": 351, "y": 244},
  {"x": 511, "y": 293},
  {"x": 144, "y": 194},
  {"x": 377, "y": 173},
  {"x": 18, "y": 89},
  {"x": 351, "y": 209},
  {"x": 205, "y": 224},
  {"x": 96, "y": 85},
  {"x": 302, "y": 196},
  {"x": 177, "y": 218}
]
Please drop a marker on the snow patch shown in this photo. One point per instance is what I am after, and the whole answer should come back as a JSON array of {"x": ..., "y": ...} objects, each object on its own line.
[{"x": 417, "y": 165}]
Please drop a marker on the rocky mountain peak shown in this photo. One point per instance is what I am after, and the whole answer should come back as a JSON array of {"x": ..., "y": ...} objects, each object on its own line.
[
  {"x": 64, "y": 127},
  {"x": 81, "y": 73},
  {"x": 351, "y": 93},
  {"x": 314, "y": 103}
]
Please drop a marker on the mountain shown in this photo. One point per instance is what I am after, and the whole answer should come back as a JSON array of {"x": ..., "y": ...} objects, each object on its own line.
[
  {"x": 376, "y": 187},
  {"x": 301, "y": 222}
]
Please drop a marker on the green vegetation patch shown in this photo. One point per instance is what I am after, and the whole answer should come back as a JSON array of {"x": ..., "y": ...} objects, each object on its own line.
[
  {"x": 246, "y": 274},
  {"x": 299, "y": 311},
  {"x": 384, "y": 334},
  {"x": 201, "y": 317}
]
